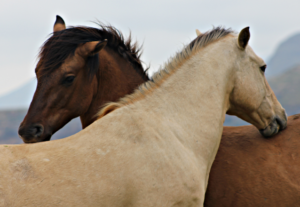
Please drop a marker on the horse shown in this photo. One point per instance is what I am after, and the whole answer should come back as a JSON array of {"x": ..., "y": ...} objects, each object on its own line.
[
  {"x": 252, "y": 171},
  {"x": 156, "y": 146},
  {"x": 79, "y": 70}
]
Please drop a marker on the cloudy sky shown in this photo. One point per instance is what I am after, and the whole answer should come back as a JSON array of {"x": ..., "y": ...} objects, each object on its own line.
[{"x": 162, "y": 26}]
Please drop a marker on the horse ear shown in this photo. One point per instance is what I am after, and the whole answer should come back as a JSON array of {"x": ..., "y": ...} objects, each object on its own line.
[
  {"x": 91, "y": 48},
  {"x": 198, "y": 32},
  {"x": 99, "y": 46},
  {"x": 244, "y": 37},
  {"x": 59, "y": 24}
]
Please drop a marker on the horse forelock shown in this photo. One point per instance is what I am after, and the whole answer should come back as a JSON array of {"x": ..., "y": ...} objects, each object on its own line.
[
  {"x": 63, "y": 44},
  {"x": 168, "y": 69}
]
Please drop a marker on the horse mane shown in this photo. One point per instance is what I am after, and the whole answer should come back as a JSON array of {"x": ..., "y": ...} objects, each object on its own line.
[
  {"x": 62, "y": 44},
  {"x": 168, "y": 69}
]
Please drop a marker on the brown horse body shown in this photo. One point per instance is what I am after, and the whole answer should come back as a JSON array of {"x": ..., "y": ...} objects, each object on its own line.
[
  {"x": 252, "y": 171},
  {"x": 77, "y": 74}
]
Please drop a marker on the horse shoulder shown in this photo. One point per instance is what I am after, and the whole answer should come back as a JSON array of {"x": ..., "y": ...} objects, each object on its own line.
[{"x": 149, "y": 156}]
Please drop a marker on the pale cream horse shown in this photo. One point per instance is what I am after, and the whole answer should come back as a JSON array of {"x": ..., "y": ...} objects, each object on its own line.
[{"x": 157, "y": 146}]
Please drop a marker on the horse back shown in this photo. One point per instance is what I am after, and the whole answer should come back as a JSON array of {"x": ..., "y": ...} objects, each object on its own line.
[{"x": 250, "y": 170}]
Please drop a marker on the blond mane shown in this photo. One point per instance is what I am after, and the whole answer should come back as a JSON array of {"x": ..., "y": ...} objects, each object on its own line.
[{"x": 167, "y": 70}]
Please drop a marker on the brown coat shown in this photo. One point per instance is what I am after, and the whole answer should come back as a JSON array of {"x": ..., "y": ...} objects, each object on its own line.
[{"x": 252, "y": 171}]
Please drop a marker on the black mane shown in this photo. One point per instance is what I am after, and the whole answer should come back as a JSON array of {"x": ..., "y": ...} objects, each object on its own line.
[{"x": 62, "y": 44}]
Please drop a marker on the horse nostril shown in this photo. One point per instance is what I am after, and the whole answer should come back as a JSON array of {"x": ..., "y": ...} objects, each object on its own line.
[
  {"x": 281, "y": 122},
  {"x": 31, "y": 133},
  {"x": 21, "y": 131},
  {"x": 37, "y": 130}
]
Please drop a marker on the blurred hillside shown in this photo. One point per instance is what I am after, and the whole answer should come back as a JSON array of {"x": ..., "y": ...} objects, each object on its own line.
[
  {"x": 283, "y": 73},
  {"x": 9, "y": 121},
  {"x": 19, "y": 98},
  {"x": 286, "y": 56},
  {"x": 287, "y": 89}
]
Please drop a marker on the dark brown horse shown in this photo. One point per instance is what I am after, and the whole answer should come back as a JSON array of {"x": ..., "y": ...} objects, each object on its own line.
[
  {"x": 79, "y": 70},
  {"x": 252, "y": 171}
]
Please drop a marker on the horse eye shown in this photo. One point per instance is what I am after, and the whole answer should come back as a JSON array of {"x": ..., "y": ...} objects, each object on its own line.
[
  {"x": 263, "y": 68},
  {"x": 68, "y": 80}
]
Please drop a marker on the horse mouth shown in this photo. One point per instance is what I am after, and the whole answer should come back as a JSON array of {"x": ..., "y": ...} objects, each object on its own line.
[
  {"x": 46, "y": 138},
  {"x": 36, "y": 140},
  {"x": 274, "y": 127}
]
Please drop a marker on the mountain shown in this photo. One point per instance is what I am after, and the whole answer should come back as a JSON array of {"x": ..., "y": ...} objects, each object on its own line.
[
  {"x": 286, "y": 88},
  {"x": 286, "y": 56},
  {"x": 9, "y": 123},
  {"x": 19, "y": 98}
]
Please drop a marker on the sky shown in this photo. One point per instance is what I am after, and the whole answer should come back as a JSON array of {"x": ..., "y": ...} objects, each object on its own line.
[{"x": 161, "y": 26}]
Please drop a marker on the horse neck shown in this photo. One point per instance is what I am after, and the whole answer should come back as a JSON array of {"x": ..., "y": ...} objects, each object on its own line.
[
  {"x": 194, "y": 100},
  {"x": 116, "y": 78}
]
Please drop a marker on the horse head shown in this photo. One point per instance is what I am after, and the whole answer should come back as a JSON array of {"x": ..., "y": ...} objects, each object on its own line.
[
  {"x": 77, "y": 74},
  {"x": 252, "y": 99}
]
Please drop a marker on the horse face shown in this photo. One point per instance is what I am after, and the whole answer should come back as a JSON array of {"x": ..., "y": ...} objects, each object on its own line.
[
  {"x": 252, "y": 99},
  {"x": 61, "y": 95}
]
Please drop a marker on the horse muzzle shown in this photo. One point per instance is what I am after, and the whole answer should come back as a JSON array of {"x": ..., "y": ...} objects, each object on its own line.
[
  {"x": 34, "y": 133},
  {"x": 274, "y": 127}
]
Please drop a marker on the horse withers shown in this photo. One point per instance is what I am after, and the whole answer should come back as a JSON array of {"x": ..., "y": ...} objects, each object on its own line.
[{"x": 79, "y": 70}]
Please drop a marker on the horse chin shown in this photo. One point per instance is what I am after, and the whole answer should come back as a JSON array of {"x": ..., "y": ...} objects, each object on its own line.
[
  {"x": 274, "y": 127},
  {"x": 44, "y": 138},
  {"x": 47, "y": 137}
]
